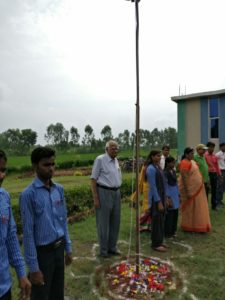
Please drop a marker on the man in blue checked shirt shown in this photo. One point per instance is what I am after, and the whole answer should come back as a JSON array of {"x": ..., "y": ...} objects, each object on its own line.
[
  {"x": 9, "y": 246},
  {"x": 45, "y": 231}
]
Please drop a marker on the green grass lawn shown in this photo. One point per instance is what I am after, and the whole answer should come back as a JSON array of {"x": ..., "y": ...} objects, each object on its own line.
[{"x": 199, "y": 258}]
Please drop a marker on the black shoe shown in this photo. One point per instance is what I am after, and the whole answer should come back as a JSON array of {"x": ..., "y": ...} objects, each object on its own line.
[
  {"x": 114, "y": 253},
  {"x": 104, "y": 255},
  {"x": 169, "y": 236},
  {"x": 215, "y": 209}
]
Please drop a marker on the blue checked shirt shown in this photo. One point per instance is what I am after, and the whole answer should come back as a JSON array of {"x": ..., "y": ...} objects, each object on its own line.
[
  {"x": 9, "y": 246},
  {"x": 44, "y": 219}
]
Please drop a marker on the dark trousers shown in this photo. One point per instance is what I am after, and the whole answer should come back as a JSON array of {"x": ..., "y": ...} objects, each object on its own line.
[
  {"x": 51, "y": 264},
  {"x": 206, "y": 189},
  {"x": 157, "y": 233},
  {"x": 221, "y": 187},
  {"x": 213, "y": 183},
  {"x": 7, "y": 296},
  {"x": 171, "y": 222}
]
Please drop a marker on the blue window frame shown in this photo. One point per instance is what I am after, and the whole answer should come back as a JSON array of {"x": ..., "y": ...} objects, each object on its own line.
[
  {"x": 214, "y": 117},
  {"x": 214, "y": 108},
  {"x": 214, "y": 128}
]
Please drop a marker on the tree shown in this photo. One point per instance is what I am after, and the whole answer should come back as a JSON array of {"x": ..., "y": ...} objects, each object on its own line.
[
  {"x": 13, "y": 138},
  {"x": 74, "y": 136},
  {"x": 3, "y": 141},
  {"x": 132, "y": 140},
  {"x": 50, "y": 135},
  {"x": 156, "y": 137},
  {"x": 57, "y": 135},
  {"x": 170, "y": 137},
  {"x": 147, "y": 137},
  {"x": 106, "y": 133},
  {"x": 123, "y": 139},
  {"x": 88, "y": 136},
  {"x": 18, "y": 142},
  {"x": 28, "y": 137}
]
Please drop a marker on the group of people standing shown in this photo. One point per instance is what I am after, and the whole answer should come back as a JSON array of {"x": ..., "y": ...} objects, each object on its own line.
[
  {"x": 47, "y": 246},
  {"x": 164, "y": 193},
  {"x": 162, "y": 197},
  {"x": 216, "y": 171}
]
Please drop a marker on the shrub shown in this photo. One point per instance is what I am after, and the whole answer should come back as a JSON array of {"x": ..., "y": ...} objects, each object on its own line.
[
  {"x": 78, "y": 201},
  {"x": 65, "y": 164}
]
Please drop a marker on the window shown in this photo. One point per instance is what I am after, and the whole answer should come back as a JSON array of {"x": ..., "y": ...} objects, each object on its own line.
[{"x": 214, "y": 117}]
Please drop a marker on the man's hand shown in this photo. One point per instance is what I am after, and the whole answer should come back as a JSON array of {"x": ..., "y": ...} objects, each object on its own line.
[
  {"x": 68, "y": 259},
  {"x": 37, "y": 278},
  {"x": 25, "y": 288},
  {"x": 95, "y": 193},
  {"x": 221, "y": 178},
  {"x": 160, "y": 206},
  {"x": 96, "y": 201},
  {"x": 169, "y": 202}
]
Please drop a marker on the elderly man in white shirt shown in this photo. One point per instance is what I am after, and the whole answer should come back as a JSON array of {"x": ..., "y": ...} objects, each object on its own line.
[
  {"x": 221, "y": 183},
  {"x": 105, "y": 183}
]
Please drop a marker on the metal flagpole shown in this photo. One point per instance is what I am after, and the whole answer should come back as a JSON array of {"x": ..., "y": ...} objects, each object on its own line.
[{"x": 137, "y": 148}]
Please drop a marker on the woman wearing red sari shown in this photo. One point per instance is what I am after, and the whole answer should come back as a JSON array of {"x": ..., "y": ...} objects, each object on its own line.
[{"x": 194, "y": 205}]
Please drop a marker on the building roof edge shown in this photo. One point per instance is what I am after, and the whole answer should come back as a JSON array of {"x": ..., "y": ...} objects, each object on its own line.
[{"x": 197, "y": 95}]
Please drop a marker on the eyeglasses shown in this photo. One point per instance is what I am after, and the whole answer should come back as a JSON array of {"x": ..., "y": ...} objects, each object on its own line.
[
  {"x": 3, "y": 170},
  {"x": 114, "y": 149},
  {"x": 49, "y": 164}
]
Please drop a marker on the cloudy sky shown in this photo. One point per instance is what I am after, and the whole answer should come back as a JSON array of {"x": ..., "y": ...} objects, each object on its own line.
[{"x": 73, "y": 61}]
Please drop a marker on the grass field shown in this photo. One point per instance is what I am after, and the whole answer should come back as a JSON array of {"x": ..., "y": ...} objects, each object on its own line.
[
  {"x": 199, "y": 259},
  {"x": 19, "y": 161}
]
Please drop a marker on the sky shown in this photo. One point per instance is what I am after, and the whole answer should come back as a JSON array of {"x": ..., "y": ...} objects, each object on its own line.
[{"x": 73, "y": 61}]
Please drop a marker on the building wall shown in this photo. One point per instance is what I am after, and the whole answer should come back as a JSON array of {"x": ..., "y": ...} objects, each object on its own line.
[
  {"x": 204, "y": 120},
  {"x": 193, "y": 123},
  {"x": 181, "y": 115}
]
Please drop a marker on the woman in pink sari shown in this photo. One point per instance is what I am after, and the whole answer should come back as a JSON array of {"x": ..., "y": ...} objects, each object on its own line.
[{"x": 194, "y": 205}]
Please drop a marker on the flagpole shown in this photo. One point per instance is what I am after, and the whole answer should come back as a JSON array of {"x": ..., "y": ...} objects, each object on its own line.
[{"x": 137, "y": 140}]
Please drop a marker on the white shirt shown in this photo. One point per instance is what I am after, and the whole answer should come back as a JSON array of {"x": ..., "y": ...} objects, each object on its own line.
[
  {"x": 106, "y": 171},
  {"x": 221, "y": 159},
  {"x": 162, "y": 162}
]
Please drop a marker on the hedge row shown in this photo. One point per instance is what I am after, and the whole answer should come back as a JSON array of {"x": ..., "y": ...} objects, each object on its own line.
[
  {"x": 79, "y": 202},
  {"x": 60, "y": 165}
]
